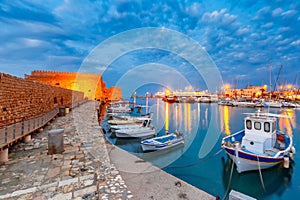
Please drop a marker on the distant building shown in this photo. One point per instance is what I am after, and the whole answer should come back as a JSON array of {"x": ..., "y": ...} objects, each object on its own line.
[
  {"x": 92, "y": 85},
  {"x": 249, "y": 91}
]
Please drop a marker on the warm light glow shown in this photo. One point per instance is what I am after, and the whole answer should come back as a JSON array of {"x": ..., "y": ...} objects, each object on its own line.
[
  {"x": 185, "y": 116},
  {"x": 189, "y": 117},
  {"x": 226, "y": 120},
  {"x": 289, "y": 86},
  {"x": 265, "y": 87},
  {"x": 167, "y": 116},
  {"x": 167, "y": 92},
  {"x": 226, "y": 86},
  {"x": 285, "y": 124}
]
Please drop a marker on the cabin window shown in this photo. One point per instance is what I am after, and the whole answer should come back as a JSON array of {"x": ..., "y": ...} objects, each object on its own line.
[
  {"x": 257, "y": 125},
  {"x": 267, "y": 126},
  {"x": 248, "y": 124}
]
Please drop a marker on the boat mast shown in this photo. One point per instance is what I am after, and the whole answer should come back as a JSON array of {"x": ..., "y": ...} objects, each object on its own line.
[{"x": 270, "y": 79}]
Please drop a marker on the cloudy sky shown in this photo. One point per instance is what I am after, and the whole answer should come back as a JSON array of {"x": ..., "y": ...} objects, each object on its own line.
[{"x": 243, "y": 38}]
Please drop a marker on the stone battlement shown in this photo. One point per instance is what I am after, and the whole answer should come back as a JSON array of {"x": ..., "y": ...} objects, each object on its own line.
[
  {"x": 23, "y": 98},
  {"x": 92, "y": 85}
]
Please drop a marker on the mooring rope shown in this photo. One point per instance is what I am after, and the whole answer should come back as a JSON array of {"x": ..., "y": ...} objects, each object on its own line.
[
  {"x": 196, "y": 163},
  {"x": 260, "y": 175},
  {"x": 229, "y": 182}
]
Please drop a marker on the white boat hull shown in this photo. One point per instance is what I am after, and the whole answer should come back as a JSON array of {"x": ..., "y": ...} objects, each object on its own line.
[
  {"x": 135, "y": 133},
  {"x": 243, "y": 165},
  {"x": 156, "y": 146}
]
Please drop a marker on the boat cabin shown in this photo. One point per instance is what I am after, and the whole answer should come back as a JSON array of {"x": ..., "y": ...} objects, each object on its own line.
[
  {"x": 260, "y": 133},
  {"x": 146, "y": 121}
]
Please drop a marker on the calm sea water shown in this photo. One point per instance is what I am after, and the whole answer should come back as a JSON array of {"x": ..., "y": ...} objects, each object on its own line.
[{"x": 201, "y": 161}]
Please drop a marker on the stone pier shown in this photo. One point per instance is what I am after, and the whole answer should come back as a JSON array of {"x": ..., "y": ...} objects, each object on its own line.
[{"x": 86, "y": 169}]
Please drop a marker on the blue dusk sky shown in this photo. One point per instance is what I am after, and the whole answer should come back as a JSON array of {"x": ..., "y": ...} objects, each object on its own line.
[{"x": 243, "y": 38}]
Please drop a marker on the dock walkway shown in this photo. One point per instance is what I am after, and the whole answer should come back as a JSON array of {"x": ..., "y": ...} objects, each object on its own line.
[{"x": 85, "y": 170}]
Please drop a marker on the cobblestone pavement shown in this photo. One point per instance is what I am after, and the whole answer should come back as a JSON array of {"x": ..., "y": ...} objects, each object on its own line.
[{"x": 82, "y": 171}]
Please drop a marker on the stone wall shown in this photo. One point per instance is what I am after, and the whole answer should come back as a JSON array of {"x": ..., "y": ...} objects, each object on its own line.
[
  {"x": 25, "y": 98},
  {"x": 92, "y": 85}
]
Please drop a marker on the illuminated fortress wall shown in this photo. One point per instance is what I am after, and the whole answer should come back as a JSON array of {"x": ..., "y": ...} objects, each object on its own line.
[
  {"x": 92, "y": 85},
  {"x": 25, "y": 98}
]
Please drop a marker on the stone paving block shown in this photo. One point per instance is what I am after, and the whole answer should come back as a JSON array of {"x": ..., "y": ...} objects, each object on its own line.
[
  {"x": 68, "y": 188},
  {"x": 61, "y": 196},
  {"x": 68, "y": 182},
  {"x": 53, "y": 172},
  {"x": 91, "y": 176},
  {"x": 21, "y": 192},
  {"x": 88, "y": 190}
]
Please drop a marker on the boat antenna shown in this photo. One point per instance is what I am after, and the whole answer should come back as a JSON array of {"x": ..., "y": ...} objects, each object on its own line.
[{"x": 270, "y": 96}]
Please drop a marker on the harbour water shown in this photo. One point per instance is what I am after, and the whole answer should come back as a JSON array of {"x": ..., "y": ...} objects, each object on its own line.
[{"x": 201, "y": 161}]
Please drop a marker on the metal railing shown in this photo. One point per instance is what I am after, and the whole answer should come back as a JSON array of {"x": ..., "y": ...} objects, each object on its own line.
[{"x": 12, "y": 131}]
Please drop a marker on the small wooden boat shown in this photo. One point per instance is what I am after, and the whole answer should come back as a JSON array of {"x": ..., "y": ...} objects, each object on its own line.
[
  {"x": 162, "y": 142},
  {"x": 259, "y": 145},
  {"x": 144, "y": 131}
]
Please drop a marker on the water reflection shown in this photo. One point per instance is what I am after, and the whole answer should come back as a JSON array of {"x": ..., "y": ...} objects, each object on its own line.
[
  {"x": 286, "y": 124},
  {"x": 167, "y": 117},
  {"x": 275, "y": 180},
  {"x": 202, "y": 126},
  {"x": 225, "y": 117}
]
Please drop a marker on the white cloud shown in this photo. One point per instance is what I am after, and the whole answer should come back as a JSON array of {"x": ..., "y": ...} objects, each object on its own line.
[
  {"x": 284, "y": 29},
  {"x": 32, "y": 42},
  {"x": 242, "y": 31},
  {"x": 194, "y": 10},
  {"x": 295, "y": 43},
  {"x": 289, "y": 13},
  {"x": 268, "y": 25},
  {"x": 277, "y": 12},
  {"x": 218, "y": 17}
]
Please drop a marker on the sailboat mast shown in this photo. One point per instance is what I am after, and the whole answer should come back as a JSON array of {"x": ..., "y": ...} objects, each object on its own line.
[{"x": 270, "y": 79}]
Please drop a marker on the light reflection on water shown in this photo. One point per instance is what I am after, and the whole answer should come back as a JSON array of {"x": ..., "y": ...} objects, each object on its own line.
[{"x": 200, "y": 161}]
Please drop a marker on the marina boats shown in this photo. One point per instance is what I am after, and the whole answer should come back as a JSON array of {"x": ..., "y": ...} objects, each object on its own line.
[
  {"x": 126, "y": 120},
  {"x": 259, "y": 145},
  {"x": 119, "y": 107},
  {"x": 169, "y": 99},
  {"x": 249, "y": 104},
  {"x": 273, "y": 104},
  {"x": 137, "y": 123},
  {"x": 209, "y": 98},
  {"x": 289, "y": 104},
  {"x": 144, "y": 131},
  {"x": 227, "y": 102},
  {"x": 163, "y": 142}
]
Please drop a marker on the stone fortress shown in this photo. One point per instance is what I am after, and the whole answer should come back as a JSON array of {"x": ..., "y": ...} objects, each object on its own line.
[
  {"x": 92, "y": 85},
  {"x": 42, "y": 91}
]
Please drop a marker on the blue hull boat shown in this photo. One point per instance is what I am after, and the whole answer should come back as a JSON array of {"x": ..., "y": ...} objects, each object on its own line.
[
  {"x": 259, "y": 145},
  {"x": 162, "y": 142}
]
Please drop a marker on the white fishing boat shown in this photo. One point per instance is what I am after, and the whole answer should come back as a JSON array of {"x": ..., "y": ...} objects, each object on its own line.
[
  {"x": 273, "y": 104},
  {"x": 289, "y": 104},
  {"x": 203, "y": 99},
  {"x": 246, "y": 104},
  {"x": 145, "y": 131},
  {"x": 259, "y": 145},
  {"x": 119, "y": 107},
  {"x": 137, "y": 123},
  {"x": 163, "y": 142},
  {"x": 227, "y": 102}
]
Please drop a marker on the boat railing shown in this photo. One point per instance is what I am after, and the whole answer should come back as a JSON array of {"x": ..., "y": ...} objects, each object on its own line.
[{"x": 16, "y": 129}]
